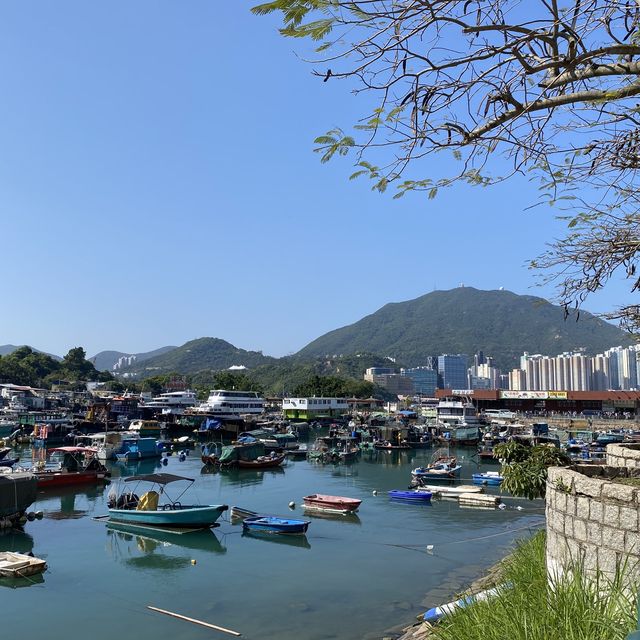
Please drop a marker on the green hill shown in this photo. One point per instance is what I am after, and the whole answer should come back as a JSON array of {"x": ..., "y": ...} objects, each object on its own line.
[
  {"x": 502, "y": 324},
  {"x": 198, "y": 355}
]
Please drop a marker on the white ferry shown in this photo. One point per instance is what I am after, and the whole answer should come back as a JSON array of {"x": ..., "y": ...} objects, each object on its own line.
[
  {"x": 173, "y": 401},
  {"x": 230, "y": 404}
]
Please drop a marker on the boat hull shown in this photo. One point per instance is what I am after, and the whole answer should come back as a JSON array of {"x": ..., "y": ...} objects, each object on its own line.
[
  {"x": 48, "y": 479},
  {"x": 411, "y": 496},
  {"x": 492, "y": 481},
  {"x": 269, "y": 524},
  {"x": 188, "y": 516},
  {"x": 261, "y": 464},
  {"x": 331, "y": 504}
]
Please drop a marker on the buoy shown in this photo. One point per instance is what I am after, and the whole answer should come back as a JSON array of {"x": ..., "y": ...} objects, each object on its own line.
[
  {"x": 502, "y": 505},
  {"x": 193, "y": 561},
  {"x": 375, "y": 493},
  {"x": 429, "y": 547},
  {"x": 519, "y": 508},
  {"x": 31, "y": 516},
  {"x": 292, "y": 505},
  {"x": 39, "y": 515},
  {"x": 165, "y": 461}
]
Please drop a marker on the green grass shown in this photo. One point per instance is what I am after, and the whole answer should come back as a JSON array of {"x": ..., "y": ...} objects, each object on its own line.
[{"x": 529, "y": 608}]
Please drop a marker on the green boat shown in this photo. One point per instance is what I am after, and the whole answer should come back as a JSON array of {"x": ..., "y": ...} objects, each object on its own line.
[{"x": 146, "y": 510}]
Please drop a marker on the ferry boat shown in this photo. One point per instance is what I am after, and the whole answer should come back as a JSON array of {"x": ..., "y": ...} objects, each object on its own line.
[
  {"x": 173, "y": 402},
  {"x": 231, "y": 404}
]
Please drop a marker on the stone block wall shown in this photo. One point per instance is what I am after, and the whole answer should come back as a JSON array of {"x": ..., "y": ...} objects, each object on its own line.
[
  {"x": 592, "y": 519},
  {"x": 623, "y": 455}
]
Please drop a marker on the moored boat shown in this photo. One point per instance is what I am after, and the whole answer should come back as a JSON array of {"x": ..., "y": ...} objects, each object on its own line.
[
  {"x": 410, "y": 495},
  {"x": 19, "y": 565},
  {"x": 146, "y": 510},
  {"x": 331, "y": 504},
  {"x": 263, "y": 462},
  {"x": 492, "y": 478},
  {"x": 79, "y": 466},
  {"x": 437, "y": 472},
  {"x": 450, "y": 492},
  {"x": 275, "y": 524}
]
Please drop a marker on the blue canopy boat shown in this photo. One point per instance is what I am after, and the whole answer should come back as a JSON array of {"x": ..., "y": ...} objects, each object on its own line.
[
  {"x": 146, "y": 510},
  {"x": 410, "y": 496},
  {"x": 492, "y": 478},
  {"x": 274, "y": 524}
]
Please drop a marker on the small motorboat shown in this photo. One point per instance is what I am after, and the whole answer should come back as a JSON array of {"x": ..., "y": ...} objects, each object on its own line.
[
  {"x": 274, "y": 524},
  {"x": 410, "y": 496},
  {"x": 146, "y": 510},
  {"x": 18, "y": 565},
  {"x": 388, "y": 446},
  {"x": 80, "y": 465},
  {"x": 331, "y": 504},
  {"x": 492, "y": 478}
]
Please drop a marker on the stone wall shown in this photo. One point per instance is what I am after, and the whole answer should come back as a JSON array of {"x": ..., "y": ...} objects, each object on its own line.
[
  {"x": 592, "y": 519},
  {"x": 623, "y": 455}
]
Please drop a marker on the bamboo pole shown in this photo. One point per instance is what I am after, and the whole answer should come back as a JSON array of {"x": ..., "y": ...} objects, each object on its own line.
[{"x": 200, "y": 622}]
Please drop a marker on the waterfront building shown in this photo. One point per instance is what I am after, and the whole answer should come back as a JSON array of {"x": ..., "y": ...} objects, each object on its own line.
[
  {"x": 452, "y": 370},
  {"x": 313, "y": 408}
]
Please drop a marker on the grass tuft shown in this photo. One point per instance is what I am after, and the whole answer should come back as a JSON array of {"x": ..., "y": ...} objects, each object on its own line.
[{"x": 529, "y": 608}]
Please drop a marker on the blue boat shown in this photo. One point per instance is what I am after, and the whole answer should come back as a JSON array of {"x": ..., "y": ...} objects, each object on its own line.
[
  {"x": 410, "y": 496},
  {"x": 146, "y": 510},
  {"x": 491, "y": 478},
  {"x": 274, "y": 524}
]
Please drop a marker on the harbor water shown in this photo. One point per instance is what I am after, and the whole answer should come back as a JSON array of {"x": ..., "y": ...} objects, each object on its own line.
[{"x": 348, "y": 578}]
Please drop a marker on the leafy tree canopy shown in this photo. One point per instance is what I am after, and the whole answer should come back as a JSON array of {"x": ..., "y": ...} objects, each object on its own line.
[{"x": 552, "y": 86}]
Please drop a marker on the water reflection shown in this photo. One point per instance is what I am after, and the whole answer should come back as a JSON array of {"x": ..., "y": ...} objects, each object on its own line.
[
  {"x": 67, "y": 496},
  {"x": 348, "y": 518},
  {"x": 291, "y": 541},
  {"x": 247, "y": 477},
  {"x": 123, "y": 468},
  {"x": 147, "y": 551}
]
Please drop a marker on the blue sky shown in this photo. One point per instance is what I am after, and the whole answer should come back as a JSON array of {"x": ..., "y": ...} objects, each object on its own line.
[{"x": 158, "y": 184}]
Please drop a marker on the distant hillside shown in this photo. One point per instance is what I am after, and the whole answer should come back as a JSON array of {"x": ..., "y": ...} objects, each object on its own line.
[
  {"x": 197, "y": 355},
  {"x": 6, "y": 349},
  {"x": 107, "y": 360},
  {"x": 465, "y": 320}
]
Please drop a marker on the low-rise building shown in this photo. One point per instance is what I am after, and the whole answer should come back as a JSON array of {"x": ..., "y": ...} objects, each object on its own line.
[{"x": 313, "y": 408}]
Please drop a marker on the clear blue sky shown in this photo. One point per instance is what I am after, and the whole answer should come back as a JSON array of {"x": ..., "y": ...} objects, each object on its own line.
[{"x": 158, "y": 184}]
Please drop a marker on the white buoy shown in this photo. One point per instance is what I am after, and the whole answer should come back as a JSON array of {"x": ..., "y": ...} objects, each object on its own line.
[
  {"x": 519, "y": 508},
  {"x": 429, "y": 547},
  {"x": 292, "y": 505},
  {"x": 502, "y": 505},
  {"x": 375, "y": 493}
]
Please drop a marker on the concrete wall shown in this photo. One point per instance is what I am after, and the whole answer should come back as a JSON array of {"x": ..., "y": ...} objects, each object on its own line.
[
  {"x": 592, "y": 519},
  {"x": 627, "y": 455}
]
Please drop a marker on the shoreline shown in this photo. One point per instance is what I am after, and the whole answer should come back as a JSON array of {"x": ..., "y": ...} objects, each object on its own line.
[{"x": 420, "y": 630}]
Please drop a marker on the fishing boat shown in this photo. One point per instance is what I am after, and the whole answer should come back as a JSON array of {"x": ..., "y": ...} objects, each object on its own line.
[
  {"x": 437, "y": 472},
  {"x": 262, "y": 462},
  {"x": 19, "y": 565},
  {"x": 492, "y": 478},
  {"x": 410, "y": 496},
  {"x": 147, "y": 511},
  {"x": 274, "y": 524},
  {"x": 79, "y": 466},
  {"x": 331, "y": 504}
]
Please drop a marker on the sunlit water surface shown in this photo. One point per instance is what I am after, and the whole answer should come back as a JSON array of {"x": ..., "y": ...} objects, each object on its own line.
[{"x": 349, "y": 578}]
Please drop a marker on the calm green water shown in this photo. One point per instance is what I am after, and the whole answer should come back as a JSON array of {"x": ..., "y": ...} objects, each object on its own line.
[{"x": 348, "y": 579}]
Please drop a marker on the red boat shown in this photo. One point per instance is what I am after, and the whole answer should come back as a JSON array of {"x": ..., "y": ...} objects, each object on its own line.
[
  {"x": 331, "y": 504},
  {"x": 79, "y": 466},
  {"x": 263, "y": 462}
]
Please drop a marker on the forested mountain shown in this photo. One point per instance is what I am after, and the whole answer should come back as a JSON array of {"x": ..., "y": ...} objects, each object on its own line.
[{"x": 465, "y": 320}]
